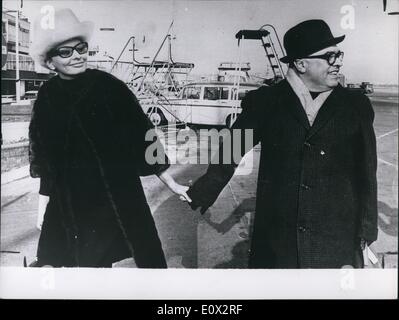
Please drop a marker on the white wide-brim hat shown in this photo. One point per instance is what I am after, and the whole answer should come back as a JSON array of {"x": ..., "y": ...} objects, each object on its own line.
[{"x": 48, "y": 35}]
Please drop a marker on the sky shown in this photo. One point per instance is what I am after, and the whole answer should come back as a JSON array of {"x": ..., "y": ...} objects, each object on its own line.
[{"x": 204, "y": 31}]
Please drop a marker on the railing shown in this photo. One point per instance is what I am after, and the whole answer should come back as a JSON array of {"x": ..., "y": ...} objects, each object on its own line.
[
  {"x": 234, "y": 65},
  {"x": 23, "y": 65}
]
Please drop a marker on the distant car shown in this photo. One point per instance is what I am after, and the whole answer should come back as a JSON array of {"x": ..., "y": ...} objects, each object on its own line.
[
  {"x": 368, "y": 87},
  {"x": 30, "y": 94},
  {"x": 364, "y": 87}
]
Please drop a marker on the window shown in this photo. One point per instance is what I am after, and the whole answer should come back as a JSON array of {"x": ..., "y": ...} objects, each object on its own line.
[
  {"x": 24, "y": 38},
  {"x": 216, "y": 93},
  {"x": 212, "y": 93},
  {"x": 225, "y": 93},
  {"x": 192, "y": 93}
]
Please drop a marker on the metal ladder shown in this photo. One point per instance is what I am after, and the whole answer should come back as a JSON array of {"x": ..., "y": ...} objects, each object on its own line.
[
  {"x": 272, "y": 53},
  {"x": 265, "y": 34}
]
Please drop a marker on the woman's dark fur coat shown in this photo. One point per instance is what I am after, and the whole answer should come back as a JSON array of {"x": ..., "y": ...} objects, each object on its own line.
[{"x": 87, "y": 144}]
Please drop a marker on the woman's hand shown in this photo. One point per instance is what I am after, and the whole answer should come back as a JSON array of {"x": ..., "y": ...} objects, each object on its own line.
[
  {"x": 181, "y": 191},
  {"x": 43, "y": 201},
  {"x": 176, "y": 188}
]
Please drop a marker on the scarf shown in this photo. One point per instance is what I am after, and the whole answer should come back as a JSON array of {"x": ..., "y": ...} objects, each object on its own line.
[{"x": 310, "y": 106}]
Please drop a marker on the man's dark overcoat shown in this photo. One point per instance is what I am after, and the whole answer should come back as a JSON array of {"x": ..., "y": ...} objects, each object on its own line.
[
  {"x": 87, "y": 144},
  {"x": 317, "y": 189}
]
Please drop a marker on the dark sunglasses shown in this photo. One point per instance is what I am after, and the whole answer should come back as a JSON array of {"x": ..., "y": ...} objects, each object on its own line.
[
  {"x": 330, "y": 57},
  {"x": 66, "y": 52}
]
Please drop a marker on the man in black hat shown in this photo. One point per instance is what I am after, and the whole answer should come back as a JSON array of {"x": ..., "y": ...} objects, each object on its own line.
[{"x": 317, "y": 191}]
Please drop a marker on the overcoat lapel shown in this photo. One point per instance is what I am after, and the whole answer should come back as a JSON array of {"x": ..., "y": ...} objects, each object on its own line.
[
  {"x": 327, "y": 111},
  {"x": 291, "y": 102}
]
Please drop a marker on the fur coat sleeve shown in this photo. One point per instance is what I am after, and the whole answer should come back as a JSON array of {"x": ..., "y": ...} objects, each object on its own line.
[
  {"x": 137, "y": 129},
  {"x": 38, "y": 159}
]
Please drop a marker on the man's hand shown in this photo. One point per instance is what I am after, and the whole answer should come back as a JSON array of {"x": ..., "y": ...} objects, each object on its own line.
[{"x": 202, "y": 195}]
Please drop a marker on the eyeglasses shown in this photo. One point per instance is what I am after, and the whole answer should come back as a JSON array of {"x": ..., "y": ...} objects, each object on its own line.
[
  {"x": 330, "y": 57},
  {"x": 66, "y": 52}
]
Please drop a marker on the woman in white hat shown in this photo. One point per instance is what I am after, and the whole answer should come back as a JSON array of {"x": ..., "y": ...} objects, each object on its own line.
[{"x": 87, "y": 144}]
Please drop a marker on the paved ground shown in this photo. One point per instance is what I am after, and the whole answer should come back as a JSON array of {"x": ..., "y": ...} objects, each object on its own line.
[
  {"x": 14, "y": 131},
  {"x": 386, "y": 127},
  {"x": 220, "y": 238}
]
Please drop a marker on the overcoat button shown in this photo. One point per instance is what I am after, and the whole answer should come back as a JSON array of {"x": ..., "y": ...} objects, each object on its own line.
[{"x": 322, "y": 153}]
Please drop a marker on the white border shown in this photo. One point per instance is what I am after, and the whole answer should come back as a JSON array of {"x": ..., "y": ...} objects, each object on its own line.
[{"x": 174, "y": 284}]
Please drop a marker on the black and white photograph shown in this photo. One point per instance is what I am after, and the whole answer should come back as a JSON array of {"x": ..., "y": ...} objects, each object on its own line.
[{"x": 198, "y": 149}]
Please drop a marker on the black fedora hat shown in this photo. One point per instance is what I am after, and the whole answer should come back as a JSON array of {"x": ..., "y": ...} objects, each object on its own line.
[{"x": 306, "y": 38}]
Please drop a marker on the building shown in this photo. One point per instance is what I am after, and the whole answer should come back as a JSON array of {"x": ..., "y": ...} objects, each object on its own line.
[{"x": 30, "y": 75}]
